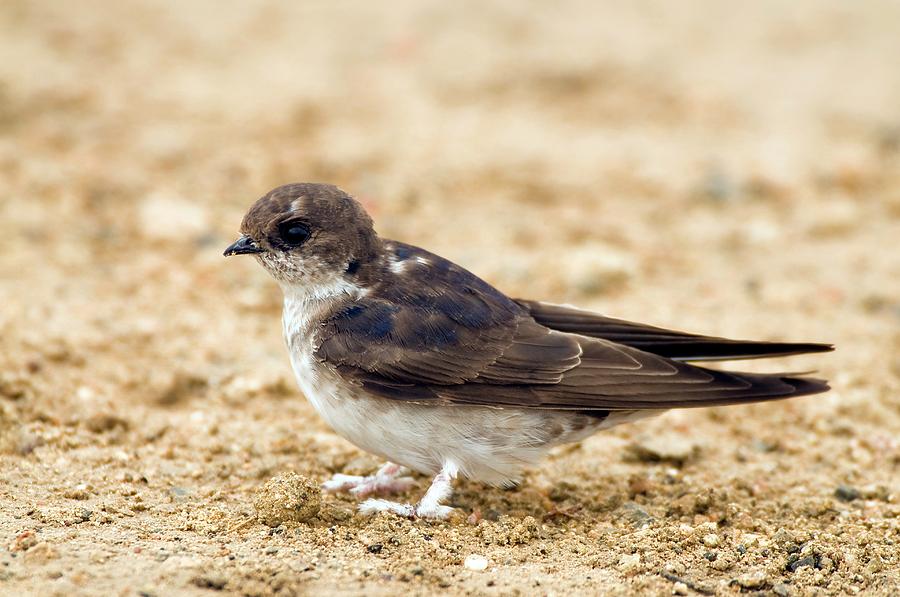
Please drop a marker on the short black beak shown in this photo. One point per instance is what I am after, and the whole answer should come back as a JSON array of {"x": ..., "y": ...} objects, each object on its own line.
[{"x": 243, "y": 246}]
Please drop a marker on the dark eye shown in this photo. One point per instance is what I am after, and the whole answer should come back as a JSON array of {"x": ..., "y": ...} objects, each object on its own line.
[{"x": 293, "y": 233}]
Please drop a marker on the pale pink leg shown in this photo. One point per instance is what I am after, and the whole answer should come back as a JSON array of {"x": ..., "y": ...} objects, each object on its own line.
[
  {"x": 384, "y": 482},
  {"x": 429, "y": 506}
]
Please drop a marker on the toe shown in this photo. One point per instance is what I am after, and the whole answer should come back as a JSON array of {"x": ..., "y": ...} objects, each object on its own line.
[
  {"x": 434, "y": 512},
  {"x": 342, "y": 482},
  {"x": 386, "y": 486},
  {"x": 373, "y": 506}
]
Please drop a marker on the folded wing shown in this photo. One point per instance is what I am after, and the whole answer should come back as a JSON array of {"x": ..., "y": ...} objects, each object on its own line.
[
  {"x": 457, "y": 340},
  {"x": 668, "y": 343}
]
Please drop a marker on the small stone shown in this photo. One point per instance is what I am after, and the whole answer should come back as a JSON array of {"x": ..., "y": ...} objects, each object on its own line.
[
  {"x": 845, "y": 493},
  {"x": 676, "y": 568},
  {"x": 784, "y": 538},
  {"x": 671, "y": 449},
  {"x": 711, "y": 540},
  {"x": 41, "y": 553},
  {"x": 680, "y": 589},
  {"x": 808, "y": 561},
  {"x": 752, "y": 580},
  {"x": 271, "y": 550},
  {"x": 375, "y": 548},
  {"x": 79, "y": 492},
  {"x": 876, "y": 492},
  {"x": 210, "y": 580},
  {"x": 476, "y": 562},
  {"x": 636, "y": 515},
  {"x": 639, "y": 485},
  {"x": 103, "y": 422},
  {"x": 179, "y": 493},
  {"x": 782, "y": 590},
  {"x": 630, "y": 563},
  {"x": 287, "y": 499},
  {"x": 174, "y": 387},
  {"x": 24, "y": 541}
]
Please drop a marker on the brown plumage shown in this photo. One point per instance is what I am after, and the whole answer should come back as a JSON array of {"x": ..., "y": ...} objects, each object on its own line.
[
  {"x": 416, "y": 359},
  {"x": 446, "y": 335}
]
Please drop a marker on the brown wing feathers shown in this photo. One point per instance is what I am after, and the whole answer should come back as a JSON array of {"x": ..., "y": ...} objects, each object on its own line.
[
  {"x": 668, "y": 343},
  {"x": 455, "y": 339}
]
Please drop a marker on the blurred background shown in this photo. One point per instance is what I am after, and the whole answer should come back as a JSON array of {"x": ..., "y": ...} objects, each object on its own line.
[{"x": 718, "y": 168}]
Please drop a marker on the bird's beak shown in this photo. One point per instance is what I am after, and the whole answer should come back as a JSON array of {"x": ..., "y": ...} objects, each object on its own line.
[{"x": 243, "y": 246}]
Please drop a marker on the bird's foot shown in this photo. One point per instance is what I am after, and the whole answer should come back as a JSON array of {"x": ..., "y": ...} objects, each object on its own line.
[
  {"x": 385, "y": 482},
  {"x": 420, "y": 510},
  {"x": 429, "y": 506}
]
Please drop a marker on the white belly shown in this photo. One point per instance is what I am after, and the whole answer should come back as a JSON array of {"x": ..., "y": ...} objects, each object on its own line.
[{"x": 487, "y": 444}]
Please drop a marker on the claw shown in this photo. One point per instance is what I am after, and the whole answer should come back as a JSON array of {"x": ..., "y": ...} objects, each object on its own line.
[
  {"x": 384, "y": 482},
  {"x": 382, "y": 486},
  {"x": 342, "y": 483},
  {"x": 429, "y": 507}
]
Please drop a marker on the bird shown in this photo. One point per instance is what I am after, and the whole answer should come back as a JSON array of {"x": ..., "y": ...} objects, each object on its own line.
[{"x": 417, "y": 360}]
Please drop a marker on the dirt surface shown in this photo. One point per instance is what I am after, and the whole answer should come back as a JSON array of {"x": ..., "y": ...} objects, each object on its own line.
[{"x": 700, "y": 165}]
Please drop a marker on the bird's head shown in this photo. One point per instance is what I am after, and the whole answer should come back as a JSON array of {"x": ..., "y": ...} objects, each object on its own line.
[{"x": 308, "y": 235}]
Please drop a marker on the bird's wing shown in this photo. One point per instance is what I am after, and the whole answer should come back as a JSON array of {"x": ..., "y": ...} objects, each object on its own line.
[
  {"x": 448, "y": 328},
  {"x": 668, "y": 343},
  {"x": 454, "y": 339}
]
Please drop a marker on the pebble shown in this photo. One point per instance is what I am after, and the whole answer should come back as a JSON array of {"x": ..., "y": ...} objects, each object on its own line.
[
  {"x": 476, "y": 562},
  {"x": 752, "y": 580},
  {"x": 102, "y": 422},
  {"x": 782, "y": 590},
  {"x": 636, "y": 515},
  {"x": 809, "y": 561},
  {"x": 630, "y": 563},
  {"x": 41, "y": 553},
  {"x": 287, "y": 498},
  {"x": 671, "y": 449},
  {"x": 845, "y": 493},
  {"x": 179, "y": 493},
  {"x": 24, "y": 541},
  {"x": 680, "y": 589},
  {"x": 210, "y": 580},
  {"x": 711, "y": 540}
]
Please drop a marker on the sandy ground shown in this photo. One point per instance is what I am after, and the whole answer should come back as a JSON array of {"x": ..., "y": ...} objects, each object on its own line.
[{"x": 706, "y": 166}]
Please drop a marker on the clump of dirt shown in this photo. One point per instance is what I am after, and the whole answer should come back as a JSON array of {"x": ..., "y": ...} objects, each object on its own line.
[{"x": 287, "y": 499}]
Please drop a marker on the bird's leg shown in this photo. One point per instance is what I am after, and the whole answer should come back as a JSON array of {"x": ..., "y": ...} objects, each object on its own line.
[
  {"x": 429, "y": 506},
  {"x": 384, "y": 482}
]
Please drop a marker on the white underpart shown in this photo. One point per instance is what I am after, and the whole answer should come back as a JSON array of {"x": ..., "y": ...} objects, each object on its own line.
[
  {"x": 488, "y": 444},
  {"x": 430, "y": 506}
]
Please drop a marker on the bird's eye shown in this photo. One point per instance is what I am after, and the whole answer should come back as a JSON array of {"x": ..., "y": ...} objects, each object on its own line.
[{"x": 293, "y": 233}]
